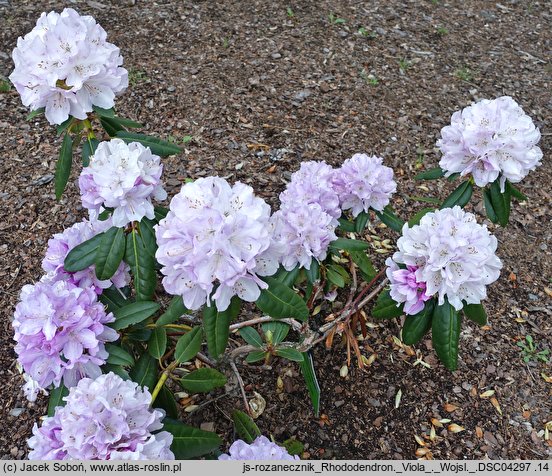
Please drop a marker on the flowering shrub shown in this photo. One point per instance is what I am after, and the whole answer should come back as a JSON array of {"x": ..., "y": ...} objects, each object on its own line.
[{"x": 100, "y": 309}]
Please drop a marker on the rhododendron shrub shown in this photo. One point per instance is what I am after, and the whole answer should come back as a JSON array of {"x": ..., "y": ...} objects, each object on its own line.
[{"x": 139, "y": 298}]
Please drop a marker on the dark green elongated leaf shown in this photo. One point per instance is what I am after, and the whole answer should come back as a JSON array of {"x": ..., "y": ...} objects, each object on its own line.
[
  {"x": 487, "y": 200},
  {"x": 188, "y": 345},
  {"x": 56, "y": 399},
  {"x": 416, "y": 326},
  {"x": 453, "y": 177},
  {"x": 501, "y": 203},
  {"x": 415, "y": 220},
  {"x": 117, "y": 370},
  {"x": 110, "y": 127},
  {"x": 313, "y": 273},
  {"x": 430, "y": 174},
  {"x": 157, "y": 146},
  {"x": 100, "y": 111},
  {"x": 475, "y": 313},
  {"x": 118, "y": 356},
  {"x": 203, "y": 380},
  {"x": 364, "y": 263},
  {"x": 290, "y": 354},
  {"x": 88, "y": 149},
  {"x": 445, "y": 334},
  {"x": 217, "y": 324},
  {"x": 133, "y": 314},
  {"x": 63, "y": 166},
  {"x": 142, "y": 266},
  {"x": 361, "y": 221},
  {"x": 129, "y": 123},
  {"x": 36, "y": 112},
  {"x": 157, "y": 343},
  {"x": 189, "y": 442},
  {"x": 110, "y": 253},
  {"x": 148, "y": 236},
  {"x": 346, "y": 225},
  {"x": 386, "y": 307},
  {"x": 160, "y": 212},
  {"x": 175, "y": 310},
  {"x": 251, "y": 336},
  {"x": 334, "y": 277},
  {"x": 388, "y": 217},
  {"x": 279, "y": 301},
  {"x": 294, "y": 447},
  {"x": 64, "y": 125},
  {"x": 307, "y": 369},
  {"x": 255, "y": 356},
  {"x": 246, "y": 428},
  {"x": 138, "y": 333},
  {"x": 165, "y": 400},
  {"x": 113, "y": 299},
  {"x": 279, "y": 331},
  {"x": 461, "y": 196},
  {"x": 287, "y": 277},
  {"x": 82, "y": 256},
  {"x": 145, "y": 371},
  {"x": 348, "y": 244},
  {"x": 515, "y": 192}
]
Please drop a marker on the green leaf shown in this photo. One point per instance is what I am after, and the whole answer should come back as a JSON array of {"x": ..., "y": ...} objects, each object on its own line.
[
  {"x": 290, "y": 354},
  {"x": 461, "y": 196},
  {"x": 287, "y": 277},
  {"x": 145, "y": 371},
  {"x": 364, "y": 264},
  {"x": 515, "y": 192},
  {"x": 117, "y": 370},
  {"x": 88, "y": 149},
  {"x": 445, "y": 334},
  {"x": 157, "y": 146},
  {"x": 501, "y": 203},
  {"x": 334, "y": 277},
  {"x": 138, "y": 333},
  {"x": 313, "y": 273},
  {"x": 111, "y": 127},
  {"x": 64, "y": 125},
  {"x": 430, "y": 174},
  {"x": 189, "y": 442},
  {"x": 307, "y": 369},
  {"x": 203, "y": 380},
  {"x": 82, "y": 256},
  {"x": 475, "y": 313},
  {"x": 188, "y": 345},
  {"x": 453, "y": 177},
  {"x": 56, "y": 399},
  {"x": 361, "y": 221},
  {"x": 346, "y": 225},
  {"x": 491, "y": 214},
  {"x": 118, "y": 356},
  {"x": 255, "y": 356},
  {"x": 279, "y": 331},
  {"x": 348, "y": 244},
  {"x": 123, "y": 122},
  {"x": 110, "y": 253},
  {"x": 133, "y": 314},
  {"x": 165, "y": 400},
  {"x": 113, "y": 299},
  {"x": 251, "y": 336},
  {"x": 160, "y": 212},
  {"x": 148, "y": 236},
  {"x": 157, "y": 343},
  {"x": 416, "y": 326},
  {"x": 386, "y": 307},
  {"x": 36, "y": 112},
  {"x": 63, "y": 166},
  {"x": 142, "y": 266},
  {"x": 415, "y": 220},
  {"x": 246, "y": 428},
  {"x": 216, "y": 325},
  {"x": 293, "y": 447},
  {"x": 279, "y": 301},
  {"x": 390, "y": 219},
  {"x": 175, "y": 310},
  {"x": 100, "y": 111}
]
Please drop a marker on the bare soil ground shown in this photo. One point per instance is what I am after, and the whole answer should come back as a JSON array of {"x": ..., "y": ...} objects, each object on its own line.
[{"x": 261, "y": 88}]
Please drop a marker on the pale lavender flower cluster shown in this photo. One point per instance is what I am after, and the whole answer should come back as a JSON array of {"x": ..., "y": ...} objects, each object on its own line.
[
  {"x": 60, "y": 332},
  {"x": 449, "y": 255},
  {"x": 491, "y": 139},
  {"x": 107, "y": 418},
  {"x": 66, "y": 66},
  {"x": 216, "y": 236},
  {"x": 124, "y": 177},
  {"x": 61, "y": 244},
  {"x": 363, "y": 182},
  {"x": 261, "y": 449}
]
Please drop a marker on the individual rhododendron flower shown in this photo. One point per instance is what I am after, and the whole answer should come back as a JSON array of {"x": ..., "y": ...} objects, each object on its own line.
[
  {"x": 261, "y": 449},
  {"x": 60, "y": 331},
  {"x": 449, "y": 255},
  {"x": 216, "y": 236},
  {"x": 312, "y": 184},
  {"x": 363, "y": 182},
  {"x": 304, "y": 232},
  {"x": 490, "y": 139},
  {"x": 107, "y": 418},
  {"x": 124, "y": 177},
  {"x": 62, "y": 243},
  {"x": 66, "y": 66}
]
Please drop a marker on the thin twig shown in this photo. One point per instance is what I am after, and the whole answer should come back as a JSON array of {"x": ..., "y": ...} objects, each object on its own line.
[
  {"x": 242, "y": 388},
  {"x": 205, "y": 359},
  {"x": 259, "y": 320}
]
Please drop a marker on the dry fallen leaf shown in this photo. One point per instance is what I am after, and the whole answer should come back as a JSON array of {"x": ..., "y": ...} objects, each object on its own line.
[
  {"x": 344, "y": 371},
  {"x": 398, "y": 398},
  {"x": 421, "y": 452},
  {"x": 495, "y": 404},
  {"x": 432, "y": 434},
  {"x": 478, "y": 432},
  {"x": 487, "y": 394},
  {"x": 449, "y": 407},
  {"x": 546, "y": 378},
  {"x": 437, "y": 423},
  {"x": 419, "y": 440},
  {"x": 454, "y": 428},
  {"x": 257, "y": 405}
]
